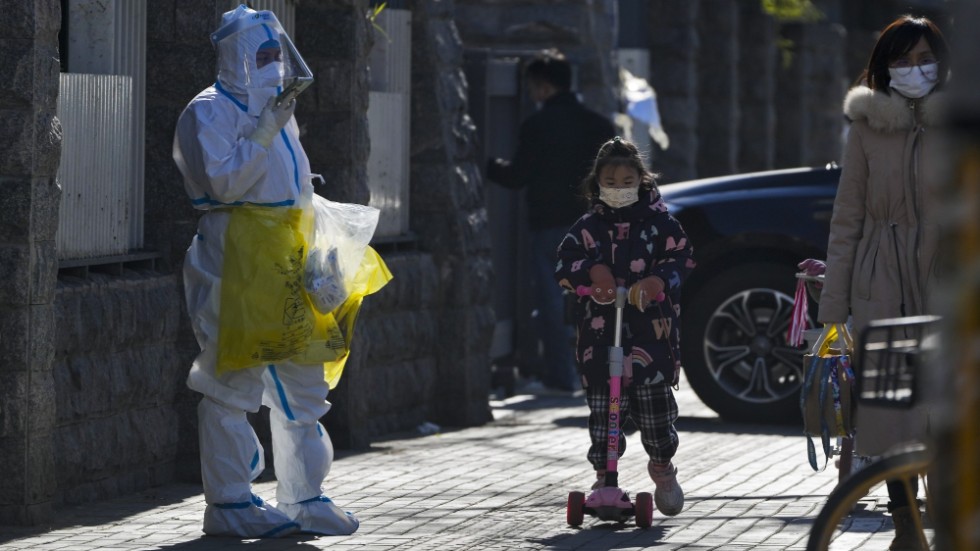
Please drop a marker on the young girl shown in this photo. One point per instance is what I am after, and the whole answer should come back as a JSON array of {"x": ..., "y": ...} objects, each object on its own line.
[{"x": 628, "y": 239}]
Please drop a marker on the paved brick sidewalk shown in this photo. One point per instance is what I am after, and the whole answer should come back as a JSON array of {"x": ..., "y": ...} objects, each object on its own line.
[{"x": 503, "y": 486}]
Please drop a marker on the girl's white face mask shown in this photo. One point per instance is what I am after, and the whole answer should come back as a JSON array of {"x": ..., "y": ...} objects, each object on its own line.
[
  {"x": 914, "y": 82},
  {"x": 618, "y": 197}
]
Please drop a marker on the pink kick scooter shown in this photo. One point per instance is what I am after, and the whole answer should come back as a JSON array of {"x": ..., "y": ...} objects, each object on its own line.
[{"x": 611, "y": 503}]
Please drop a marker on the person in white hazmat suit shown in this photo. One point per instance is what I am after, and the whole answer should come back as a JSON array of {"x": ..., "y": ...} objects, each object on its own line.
[{"x": 235, "y": 145}]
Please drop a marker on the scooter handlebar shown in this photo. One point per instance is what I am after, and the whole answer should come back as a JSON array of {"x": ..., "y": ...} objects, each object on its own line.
[
  {"x": 585, "y": 290},
  {"x": 619, "y": 301}
]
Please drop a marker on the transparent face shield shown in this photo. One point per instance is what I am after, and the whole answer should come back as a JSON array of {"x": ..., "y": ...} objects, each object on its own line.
[{"x": 256, "y": 57}]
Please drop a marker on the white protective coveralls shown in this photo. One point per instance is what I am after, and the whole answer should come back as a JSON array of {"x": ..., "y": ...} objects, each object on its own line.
[{"x": 222, "y": 168}]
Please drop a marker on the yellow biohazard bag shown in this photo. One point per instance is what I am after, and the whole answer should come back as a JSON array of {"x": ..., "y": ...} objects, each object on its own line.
[
  {"x": 266, "y": 314},
  {"x": 372, "y": 275}
]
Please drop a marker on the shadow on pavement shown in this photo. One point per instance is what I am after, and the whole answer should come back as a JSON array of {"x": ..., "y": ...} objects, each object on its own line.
[
  {"x": 700, "y": 424},
  {"x": 96, "y": 513},
  {"x": 206, "y": 543},
  {"x": 717, "y": 425},
  {"x": 528, "y": 403},
  {"x": 614, "y": 536}
]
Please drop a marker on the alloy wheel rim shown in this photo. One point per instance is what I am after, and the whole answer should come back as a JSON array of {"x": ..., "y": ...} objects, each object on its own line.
[{"x": 745, "y": 347}]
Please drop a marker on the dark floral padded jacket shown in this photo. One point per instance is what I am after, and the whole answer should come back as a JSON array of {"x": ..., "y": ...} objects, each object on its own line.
[{"x": 635, "y": 241}]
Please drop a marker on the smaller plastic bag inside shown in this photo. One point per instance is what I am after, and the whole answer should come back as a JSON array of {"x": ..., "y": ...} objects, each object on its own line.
[{"x": 341, "y": 233}]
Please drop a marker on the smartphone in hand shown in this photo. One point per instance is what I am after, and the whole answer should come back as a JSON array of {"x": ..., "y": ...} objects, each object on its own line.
[{"x": 292, "y": 90}]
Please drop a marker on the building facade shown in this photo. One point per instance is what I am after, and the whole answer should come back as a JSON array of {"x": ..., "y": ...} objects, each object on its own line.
[
  {"x": 95, "y": 335},
  {"x": 93, "y": 329}
]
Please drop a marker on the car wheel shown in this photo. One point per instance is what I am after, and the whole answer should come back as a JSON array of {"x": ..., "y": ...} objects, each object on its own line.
[{"x": 734, "y": 347}]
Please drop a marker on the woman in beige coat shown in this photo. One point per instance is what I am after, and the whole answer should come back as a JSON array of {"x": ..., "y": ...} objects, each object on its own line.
[{"x": 884, "y": 233}]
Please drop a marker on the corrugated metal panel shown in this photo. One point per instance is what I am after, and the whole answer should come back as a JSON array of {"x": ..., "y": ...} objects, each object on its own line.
[
  {"x": 387, "y": 169},
  {"x": 109, "y": 38},
  {"x": 129, "y": 58},
  {"x": 389, "y": 120},
  {"x": 391, "y": 55},
  {"x": 96, "y": 168}
]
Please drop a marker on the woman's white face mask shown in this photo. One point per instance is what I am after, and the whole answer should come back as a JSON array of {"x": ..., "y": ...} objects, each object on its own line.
[
  {"x": 268, "y": 80},
  {"x": 914, "y": 82}
]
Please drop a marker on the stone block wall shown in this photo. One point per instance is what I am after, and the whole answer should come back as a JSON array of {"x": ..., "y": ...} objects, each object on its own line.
[
  {"x": 30, "y": 138},
  {"x": 718, "y": 77},
  {"x": 334, "y": 38},
  {"x": 757, "y": 60},
  {"x": 449, "y": 214},
  {"x": 674, "y": 52},
  {"x": 810, "y": 93},
  {"x": 732, "y": 99},
  {"x": 116, "y": 375},
  {"x": 391, "y": 375}
]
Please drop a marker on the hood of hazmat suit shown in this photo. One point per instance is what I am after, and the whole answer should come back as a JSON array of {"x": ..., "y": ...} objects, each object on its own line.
[{"x": 256, "y": 58}]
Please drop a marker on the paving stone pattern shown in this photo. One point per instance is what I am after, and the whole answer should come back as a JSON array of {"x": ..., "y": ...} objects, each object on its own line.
[{"x": 503, "y": 486}]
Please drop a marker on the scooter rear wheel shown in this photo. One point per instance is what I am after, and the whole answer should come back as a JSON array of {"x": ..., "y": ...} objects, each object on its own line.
[
  {"x": 574, "y": 512},
  {"x": 644, "y": 509}
]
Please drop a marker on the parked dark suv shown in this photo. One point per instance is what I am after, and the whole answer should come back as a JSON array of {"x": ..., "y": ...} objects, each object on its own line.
[{"x": 749, "y": 232}]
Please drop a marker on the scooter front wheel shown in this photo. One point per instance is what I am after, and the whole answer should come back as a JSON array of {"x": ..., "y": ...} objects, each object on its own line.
[
  {"x": 644, "y": 509},
  {"x": 574, "y": 512}
]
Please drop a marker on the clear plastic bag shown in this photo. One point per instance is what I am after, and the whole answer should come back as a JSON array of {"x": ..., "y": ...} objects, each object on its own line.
[{"x": 341, "y": 233}]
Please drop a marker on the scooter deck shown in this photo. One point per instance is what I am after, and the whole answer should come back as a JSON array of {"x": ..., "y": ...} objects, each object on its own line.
[{"x": 608, "y": 513}]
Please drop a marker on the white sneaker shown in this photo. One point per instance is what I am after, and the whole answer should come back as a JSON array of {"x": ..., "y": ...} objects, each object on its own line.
[
  {"x": 669, "y": 497},
  {"x": 320, "y": 516},
  {"x": 249, "y": 519},
  {"x": 600, "y": 480}
]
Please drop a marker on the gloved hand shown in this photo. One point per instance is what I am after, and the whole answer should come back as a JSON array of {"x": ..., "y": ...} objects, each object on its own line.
[
  {"x": 271, "y": 120},
  {"x": 813, "y": 267},
  {"x": 603, "y": 284},
  {"x": 645, "y": 291}
]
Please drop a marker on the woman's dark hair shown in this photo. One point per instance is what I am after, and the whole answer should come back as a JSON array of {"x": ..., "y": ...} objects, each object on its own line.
[
  {"x": 898, "y": 38},
  {"x": 550, "y": 66},
  {"x": 617, "y": 152}
]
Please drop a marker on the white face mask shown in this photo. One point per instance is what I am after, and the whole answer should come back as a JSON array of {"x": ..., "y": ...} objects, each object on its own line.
[
  {"x": 917, "y": 82},
  {"x": 618, "y": 197},
  {"x": 266, "y": 84}
]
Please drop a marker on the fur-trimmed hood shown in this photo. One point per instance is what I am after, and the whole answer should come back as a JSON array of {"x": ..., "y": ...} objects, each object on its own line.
[{"x": 892, "y": 112}]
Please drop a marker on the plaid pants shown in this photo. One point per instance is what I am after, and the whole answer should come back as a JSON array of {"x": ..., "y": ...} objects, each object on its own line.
[{"x": 652, "y": 408}]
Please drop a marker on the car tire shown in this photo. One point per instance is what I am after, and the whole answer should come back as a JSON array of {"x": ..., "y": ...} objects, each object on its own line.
[{"x": 733, "y": 344}]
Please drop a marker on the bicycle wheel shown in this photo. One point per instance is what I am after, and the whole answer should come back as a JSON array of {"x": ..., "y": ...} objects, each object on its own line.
[{"x": 902, "y": 465}]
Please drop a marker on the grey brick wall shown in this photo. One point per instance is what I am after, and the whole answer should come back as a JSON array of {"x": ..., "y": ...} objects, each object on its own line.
[
  {"x": 117, "y": 373},
  {"x": 100, "y": 361},
  {"x": 449, "y": 215},
  {"x": 30, "y": 137}
]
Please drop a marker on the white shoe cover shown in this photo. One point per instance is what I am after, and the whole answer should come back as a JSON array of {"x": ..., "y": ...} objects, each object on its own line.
[
  {"x": 250, "y": 519},
  {"x": 320, "y": 516}
]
